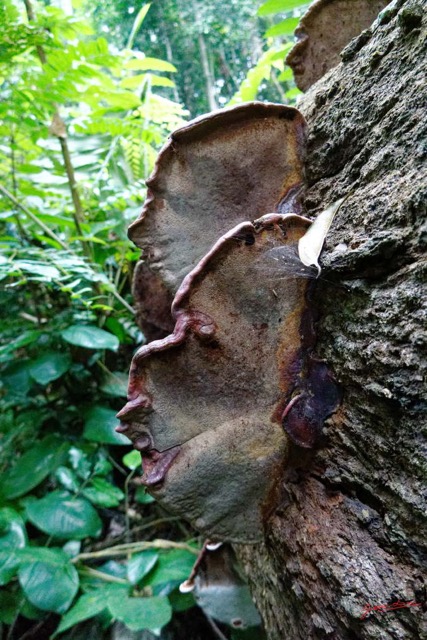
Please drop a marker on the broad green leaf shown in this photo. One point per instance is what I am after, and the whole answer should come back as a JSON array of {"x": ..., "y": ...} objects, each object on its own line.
[
  {"x": 181, "y": 601},
  {"x": 284, "y": 28},
  {"x": 141, "y": 613},
  {"x": 27, "y": 337},
  {"x": 87, "y": 606},
  {"x": 142, "y": 496},
  {"x": 140, "y": 564},
  {"x": 114, "y": 568},
  {"x": 46, "y": 271},
  {"x": 90, "y": 337},
  {"x": 134, "y": 82},
  {"x": 100, "y": 426},
  {"x": 50, "y": 366},
  {"x": 160, "y": 81},
  {"x": 132, "y": 460},
  {"x": 16, "y": 378},
  {"x": 286, "y": 75},
  {"x": 67, "y": 478},
  {"x": 9, "y": 564},
  {"x": 62, "y": 516},
  {"x": 50, "y": 586},
  {"x": 172, "y": 566},
  {"x": 33, "y": 467},
  {"x": 150, "y": 64},
  {"x": 12, "y": 530},
  {"x": 31, "y": 612},
  {"x": 115, "y": 384},
  {"x": 52, "y": 555},
  {"x": 103, "y": 493},
  {"x": 279, "y": 6}
]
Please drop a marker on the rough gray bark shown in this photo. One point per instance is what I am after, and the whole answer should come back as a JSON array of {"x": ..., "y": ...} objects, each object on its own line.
[{"x": 351, "y": 526}]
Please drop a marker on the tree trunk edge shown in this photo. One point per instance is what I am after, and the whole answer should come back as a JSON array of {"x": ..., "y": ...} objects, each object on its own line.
[{"x": 350, "y": 529}]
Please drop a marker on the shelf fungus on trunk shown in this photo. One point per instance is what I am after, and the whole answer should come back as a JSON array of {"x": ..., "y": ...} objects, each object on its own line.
[
  {"x": 218, "y": 170},
  {"x": 208, "y": 403},
  {"x": 214, "y": 406},
  {"x": 323, "y": 31},
  {"x": 220, "y": 588}
]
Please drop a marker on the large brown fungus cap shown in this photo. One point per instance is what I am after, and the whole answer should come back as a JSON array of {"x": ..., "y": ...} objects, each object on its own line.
[
  {"x": 206, "y": 403},
  {"x": 212, "y": 405},
  {"x": 220, "y": 169},
  {"x": 326, "y": 28}
]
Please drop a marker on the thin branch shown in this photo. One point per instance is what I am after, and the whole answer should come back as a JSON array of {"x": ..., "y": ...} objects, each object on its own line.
[
  {"x": 127, "y": 506},
  {"x": 89, "y": 571},
  {"x": 134, "y": 547}
]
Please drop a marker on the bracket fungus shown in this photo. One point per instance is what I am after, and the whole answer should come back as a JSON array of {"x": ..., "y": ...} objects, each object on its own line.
[
  {"x": 227, "y": 167},
  {"x": 220, "y": 588},
  {"x": 322, "y": 33},
  {"x": 213, "y": 406}
]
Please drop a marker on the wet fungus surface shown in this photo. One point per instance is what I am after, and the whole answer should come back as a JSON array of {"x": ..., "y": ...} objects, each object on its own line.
[
  {"x": 323, "y": 32},
  {"x": 221, "y": 169},
  {"x": 213, "y": 406}
]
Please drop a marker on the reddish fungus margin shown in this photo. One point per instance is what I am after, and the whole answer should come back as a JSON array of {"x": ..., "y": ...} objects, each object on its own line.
[{"x": 322, "y": 33}]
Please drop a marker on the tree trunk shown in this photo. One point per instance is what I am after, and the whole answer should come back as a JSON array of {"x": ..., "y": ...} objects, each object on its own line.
[
  {"x": 350, "y": 530},
  {"x": 207, "y": 72}
]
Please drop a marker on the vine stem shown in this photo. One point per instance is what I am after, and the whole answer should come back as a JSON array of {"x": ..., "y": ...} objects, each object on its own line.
[{"x": 134, "y": 547}]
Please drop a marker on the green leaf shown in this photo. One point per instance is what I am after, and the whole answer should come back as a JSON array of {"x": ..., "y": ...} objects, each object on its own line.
[
  {"x": 62, "y": 516},
  {"x": 87, "y": 606},
  {"x": 27, "y": 337},
  {"x": 9, "y": 564},
  {"x": 284, "y": 28},
  {"x": 33, "y": 267},
  {"x": 132, "y": 460},
  {"x": 100, "y": 426},
  {"x": 103, "y": 493},
  {"x": 142, "y": 496},
  {"x": 50, "y": 366},
  {"x": 181, "y": 601},
  {"x": 49, "y": 584},
  {"x": 279, "y": 6},
  {"x": 140, "y": 564},
  {"x": 9, "y": 606},
  {"x": 16, "y": 378},
  {"x": 115, "y": 384},
  {"x": 286, "y": 75},
  {"x": 161, "y": 81},
  {"x": 90, "y": 337},
  {"x": 172, "y": 566},
  {"x": 67, "y": 478},
  {"x": 12, "y": 530},
  {"x": 150, "y": 64},
  {"x": 137, "y": 24},
  {"x": 33, "y": 467},
  {"x": 141, "y": 613}
]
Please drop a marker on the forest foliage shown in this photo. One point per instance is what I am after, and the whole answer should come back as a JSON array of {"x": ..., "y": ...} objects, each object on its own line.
[{"x": 88, "y": 97}]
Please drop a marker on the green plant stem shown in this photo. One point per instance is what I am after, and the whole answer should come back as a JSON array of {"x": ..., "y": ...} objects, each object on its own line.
[
  {"x": 118, "y": 297},
  {"x": 134, "y": 547},
  {"x": 32, "y": 217},
  {"x": 88, "y": 571},
  {"x": 78, "y": 214},
  {"x": 127, "y": 520}
]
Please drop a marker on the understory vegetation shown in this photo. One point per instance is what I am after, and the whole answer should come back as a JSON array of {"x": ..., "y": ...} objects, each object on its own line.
[{"x": 90, "y": 91}]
